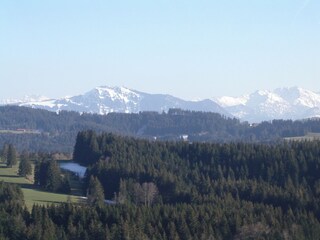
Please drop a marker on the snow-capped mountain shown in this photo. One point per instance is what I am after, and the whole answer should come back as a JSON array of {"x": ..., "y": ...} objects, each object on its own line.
[
  {"x": 282, "y": 103},
  {"x": 103, "y": 100},
  {"x": 32, "y": 98}
]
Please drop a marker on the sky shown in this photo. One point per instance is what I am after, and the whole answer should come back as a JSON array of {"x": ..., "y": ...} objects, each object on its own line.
[{"x": 190, "y": 49}]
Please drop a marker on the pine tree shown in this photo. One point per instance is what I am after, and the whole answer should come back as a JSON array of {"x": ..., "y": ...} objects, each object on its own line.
[
  {"x": 25, "y": 165},
  {"x": 47, "y": 174},
  {"x": 53, "y": 180},
  {"x": 12, "y": 156},
  {"x": 95, "y": 192},
  {"x": 4, "y": 153},
  {"x": 37, "y": 173}
]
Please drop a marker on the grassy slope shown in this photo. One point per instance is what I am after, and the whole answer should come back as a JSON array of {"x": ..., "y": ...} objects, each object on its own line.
[
  {"x": 32, "y": 195},
  {"x": 308, "y": 137}
]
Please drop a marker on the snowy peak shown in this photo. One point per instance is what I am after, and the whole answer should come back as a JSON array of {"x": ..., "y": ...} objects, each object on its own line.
[
  {"x": 115, "y": 93},
  {"x": 261, "y": 105},
  {"x": 232, "y": 101},
  {"x": 104, "y": 99},
  {"x": 284, "y": 103},
  {"x": 300, "y": 96}
]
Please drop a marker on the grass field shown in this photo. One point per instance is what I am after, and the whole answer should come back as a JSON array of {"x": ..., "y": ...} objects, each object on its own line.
[
  {"x": 32, "y": 195},
  {"x": 308, "y": 137},
  {"x": 19, "y": 132}
]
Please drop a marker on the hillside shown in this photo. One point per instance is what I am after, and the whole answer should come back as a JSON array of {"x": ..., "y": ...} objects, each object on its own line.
[{"x": 41, "y": 130}]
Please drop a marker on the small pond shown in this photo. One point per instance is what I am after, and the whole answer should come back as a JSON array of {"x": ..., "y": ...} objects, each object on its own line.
[{"x": 73, "y": 167}]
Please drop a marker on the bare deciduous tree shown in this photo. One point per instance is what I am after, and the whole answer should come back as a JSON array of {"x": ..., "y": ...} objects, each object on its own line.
[
  {"x": 145, "y": 193},
  {"x": 253, "y": 231}
]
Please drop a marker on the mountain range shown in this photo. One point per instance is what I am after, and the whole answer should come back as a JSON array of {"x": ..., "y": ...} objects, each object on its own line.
[{"x": 282, "y": 103}]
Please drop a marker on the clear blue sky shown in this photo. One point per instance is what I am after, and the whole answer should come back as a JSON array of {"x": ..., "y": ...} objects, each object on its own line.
[{"x": 191, "y": 49}]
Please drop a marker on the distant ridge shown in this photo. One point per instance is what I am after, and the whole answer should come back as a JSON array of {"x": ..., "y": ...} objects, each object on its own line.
[
  {"x": 103, "y": 100},
  {"x": 282, "y": 103},
  {"x": 262, "y": 105}
]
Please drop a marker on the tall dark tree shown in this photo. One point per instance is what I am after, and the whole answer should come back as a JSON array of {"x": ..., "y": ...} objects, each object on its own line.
[
  {"x": 4, "y": 152},
  {"x": 95, "y": 192},
  {"x": 25, "y": 167},
  {"x": 86, "y": 150},
  {"x": 53, "y": 179},
  {"x": 12, "y": 156},
  {"x": 48, "y": 176}
]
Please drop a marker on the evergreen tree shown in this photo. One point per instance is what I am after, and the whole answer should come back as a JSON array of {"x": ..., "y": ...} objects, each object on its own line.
[
  {"x": 47, "y": 175},
  {"x": 12, "y": 156},
  {"x": 4, "y": 153},
  {"x": 53, "y": 178},
  {"x": 95, "y": 192},
  {"x": 25, "y": 167},
  {"x": 39, "y": 173}
]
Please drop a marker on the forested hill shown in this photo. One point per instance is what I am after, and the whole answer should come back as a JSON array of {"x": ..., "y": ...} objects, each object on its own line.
[
  {"x": 236, "y": 184},
  {"x": 41, "y": 130}
]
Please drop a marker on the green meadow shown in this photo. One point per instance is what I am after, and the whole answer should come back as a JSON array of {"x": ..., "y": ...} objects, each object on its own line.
[
  {"x": 308, "y": 137},
  {"x": 32, "y": 195}
]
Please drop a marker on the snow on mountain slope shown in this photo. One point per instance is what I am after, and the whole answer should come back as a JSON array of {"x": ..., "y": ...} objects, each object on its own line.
[
  {"x": 227, "y": 101},
  {"x": 282, "y": 103},
  {"x": 103, "y": 100},
  {"x": 32, "y": 98},
  {"x": 300, "y": 96}
]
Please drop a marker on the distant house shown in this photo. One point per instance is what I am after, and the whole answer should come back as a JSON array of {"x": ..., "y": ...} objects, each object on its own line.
[{"x": 184, "y": 137}]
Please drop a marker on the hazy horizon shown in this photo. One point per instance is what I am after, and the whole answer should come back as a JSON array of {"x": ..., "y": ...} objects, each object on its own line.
[{"x": 36, "y": 96}]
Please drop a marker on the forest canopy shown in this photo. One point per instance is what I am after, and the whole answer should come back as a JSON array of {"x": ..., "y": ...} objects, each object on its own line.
[
  {"x": 178, "y": 190},
  {"x": 40, "y": 130}
]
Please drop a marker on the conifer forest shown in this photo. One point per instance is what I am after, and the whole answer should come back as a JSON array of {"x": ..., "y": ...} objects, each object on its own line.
[{"x": 146, "y": 188}]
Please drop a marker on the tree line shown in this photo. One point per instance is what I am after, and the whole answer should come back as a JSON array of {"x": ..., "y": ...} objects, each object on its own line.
[
  {"x": 281, "y": 176},
  {"x": 224, "y": 218},
  {"x": 47, "y": 173},
  {"x": 184, "y": 172},
  {"x": 177, "y": 190},
  {"x": 9, "y": 156},
  {"x": 57, "y": 131}
]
